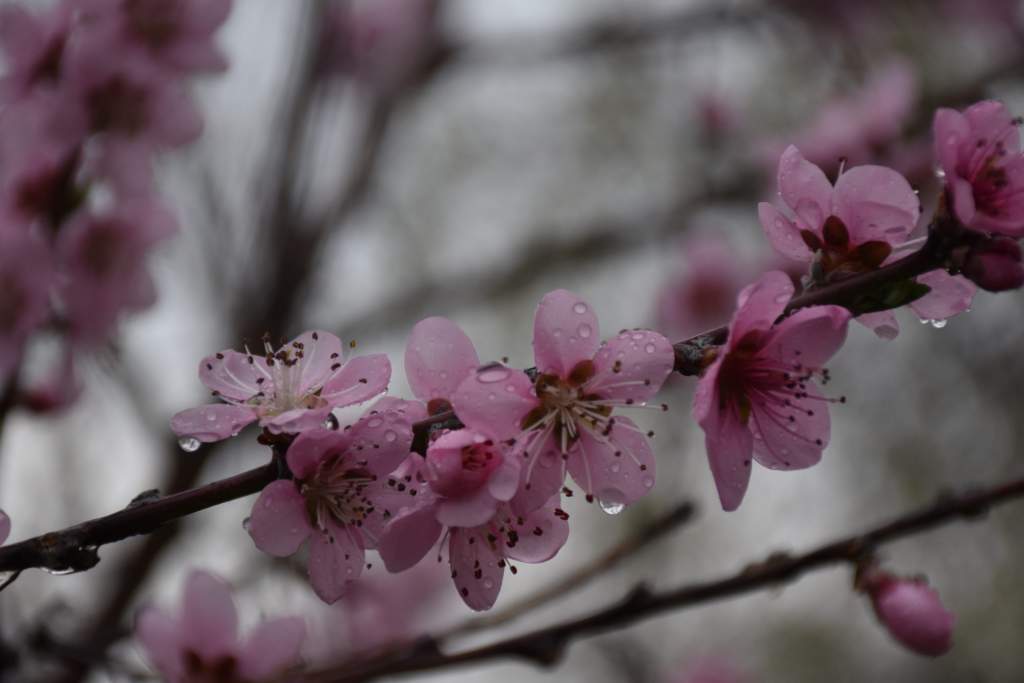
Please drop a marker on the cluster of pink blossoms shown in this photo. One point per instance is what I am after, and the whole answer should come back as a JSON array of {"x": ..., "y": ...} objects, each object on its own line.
[{"x": 93, "y": 89}]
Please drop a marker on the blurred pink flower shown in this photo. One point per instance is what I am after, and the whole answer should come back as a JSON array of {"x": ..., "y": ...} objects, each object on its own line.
[
  {"x": 912, "y": 612},
  {"x": 202, "y": 644},
  {"x": 289, "y": 390},
  {"x": 340, "y": 499},
  {"x": 759, "y": 396},
  {"x": 701, "y": 294},
  {"x": 996, "y": 266},
  {"x": 856, "y": 226},
  {"x": 174, "y": 33},
  {"x": 26, "y": 276},
  {"x": 103, "y": 265},
  {"x": 33, "y": 45},
  {"x": 563, "y": 419},
  {"x": 979, "y": 152}
]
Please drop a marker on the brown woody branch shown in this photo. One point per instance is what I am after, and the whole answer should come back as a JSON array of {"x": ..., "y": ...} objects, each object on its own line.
[{"x": 545, "y": 647}]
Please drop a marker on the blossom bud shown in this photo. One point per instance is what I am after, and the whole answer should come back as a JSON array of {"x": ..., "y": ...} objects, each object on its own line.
[
  {"x": 996, "y": 265},
  {"x": 912, "y": 613}
]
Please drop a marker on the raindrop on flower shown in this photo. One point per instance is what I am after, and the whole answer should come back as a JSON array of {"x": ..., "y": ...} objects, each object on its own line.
[
  {"x": 493, "y": 375},
  {"x": 390, "y": 436},
  {"x": 246, "y": 523},
  {"x": 584, "y": 331},
  {"x": 937, "y": 324},
  {"x": 580, "y": 308},
  {"x": 611, "y": 507},
  {"x": 189, "y": 444}
]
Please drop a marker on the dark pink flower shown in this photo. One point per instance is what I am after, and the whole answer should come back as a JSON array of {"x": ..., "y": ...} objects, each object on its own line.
[
  {"x": 289, "y": 390},
  {"x": 174, "y": 33},
  {"x": 856, "y": 226},
  {"x": 912, "y": 612},
  {"x": 980, "y": 155},
  {"x": 759, "y": 397},
  {"x": 201, "y": 644},
  {"x": 26, "y": 275},
  {"x": 103, "y": 263},
  {"x": 472, "y": 474},
  {"x": 340, "y": 499},
  {"x": 996, "y": 266},
  {"x": 563, "y": 419},
  {"x": 701, "y": 294},
  {"x": 33, "y": 45}
]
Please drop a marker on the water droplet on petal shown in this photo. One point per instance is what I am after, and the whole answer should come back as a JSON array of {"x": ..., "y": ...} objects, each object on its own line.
[
  {"x": 247, "y": 524},
  {"x": 210, "y": 417},
  {"x": 610, "y": 507},
  {"x": 782, "y": 298},
  {"x": 650, "y": 348},
  {"x": 938, "y": 324},
  {"x": 611, "y": 501},
  {"x": 374, "y": 422},
  {"x": 390, "y": 436},
  {"x": 189, "y": 444},
  {"x": 584, "y": 331},
  {"x": 580, "y": 308},
  {"x": 648, "y": 481},
  {"x": 488, "y": 584},
  {"x": 493, "y": 375}
]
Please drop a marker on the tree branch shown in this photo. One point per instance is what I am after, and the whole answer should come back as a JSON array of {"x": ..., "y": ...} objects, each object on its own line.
[{"x": 544, "y": 647}]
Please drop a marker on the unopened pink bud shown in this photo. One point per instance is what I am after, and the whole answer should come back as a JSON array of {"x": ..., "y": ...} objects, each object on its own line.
[
  {"x": 996, "y": 266},
  {"x": 911, "y": 611}
]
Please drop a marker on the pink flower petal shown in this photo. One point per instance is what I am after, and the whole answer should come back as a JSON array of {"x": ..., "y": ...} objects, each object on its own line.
[
  {"x": 728, "y": 440},
  {"x": 470, "y": 510},
  {"x": 543, "y": 475},
  {"x": 632, "y": 365},
  {"x": 759, "y": 305},
  {"x": 475, "y": 568},
  {"x": 541, "y": 535},
  {"x": 950, "y": 130},
  {"x": 617, "y": 471},
  {"x": 783, "y": 233},
  {"x": 990, "y": 120},
  {"x": 320, "y": 351},
  {"x": 949, "y": 295},
  {"x": 336, "y": 559},
  {"x": 271, "y": 648},
  {"x": 876, "y": 203},
  {"x": 296, "y": 420},
  {"x": 963, "y": 200},
  {"x": 504, "y": 481},
  {"x": 232, "y": 375},
  {"x": 209, "y": 621},
  {"x": 438, "y": 357},
  {"x": 309, "y": 448},
  {"x": 279, "y": 522},
  {"x": 359, "y": 379},
  {"x": 793, "y": 437},
  {"x": 382, "y": 439},
  {"x": 565, "y": 332},
  {"x": 810, "y": 337},
  {"x": 804, "y": 188},
  {"x": 494, "y": 400},
  {"x": 883, "y": 324},
  {"x": 408, "y": 538},
  {"x": 212, "y": 422},
  {"x": 914, "y": 615},
  {"x": 160, "y": 637}
]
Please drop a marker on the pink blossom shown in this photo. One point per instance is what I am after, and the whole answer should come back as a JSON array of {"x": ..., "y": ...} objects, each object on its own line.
[
  {"x": 174, "y": 33},
  {"x": 26, "y": 274},
  {"x": 438, "y": 356},
  {"x": 33, "y": 45},
  {"x": 700, "y": 295},
  {"x": 562, "y": 420},
  {"x": 289, "y": 390},
  {"x": 340, "y": 499},
  {"x": 103, "y": 263},
  {"x": 381, "y": 43},
  {"x": 912, "y": 613},
  {"x": 979, "y": 152},
  {"x": 759, "y": 397},
  {"x": 473, "y": 474},
  {"x": 201, "y": 644},
  {"x": 856, "y": 226},
  {"x": 480, "y": 554}
]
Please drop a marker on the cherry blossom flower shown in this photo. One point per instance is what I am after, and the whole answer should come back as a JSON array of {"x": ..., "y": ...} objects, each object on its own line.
[
  {"x": 103, "y": 263},
  {"x": 26, "y": 274},
  {"x": 911, "y": 611},
  {"x": 979, "y": 153},
  {"x": 174, "y": 33},
  {"x": 478, "y": 554},
  {"x": 438, "y": 356},
  {"x": 340, "y": 499},
  {"x": 759, "y": 396},
  {"x": 996, "y": 266},
  {"x": 201, "y": 644},
  {"x": 288, "y": 390},
  {"x": 472, "y": 474},
  {"x": 701, "y": 294},
  {"x": 33, "y": 45},
  {"x": 856, "y": 226},
  {"x": 562, "y": 420}
]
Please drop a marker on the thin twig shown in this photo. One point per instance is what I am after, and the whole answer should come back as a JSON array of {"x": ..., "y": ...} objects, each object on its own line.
[{"x": 545, "y": 647}]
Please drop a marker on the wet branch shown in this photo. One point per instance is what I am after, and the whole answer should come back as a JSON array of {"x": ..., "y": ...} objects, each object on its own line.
[{"x": 545, "y": 647}]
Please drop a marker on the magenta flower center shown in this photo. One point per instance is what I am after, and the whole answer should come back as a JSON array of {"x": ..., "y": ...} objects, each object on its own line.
[{"x": 220, "y": 670}]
